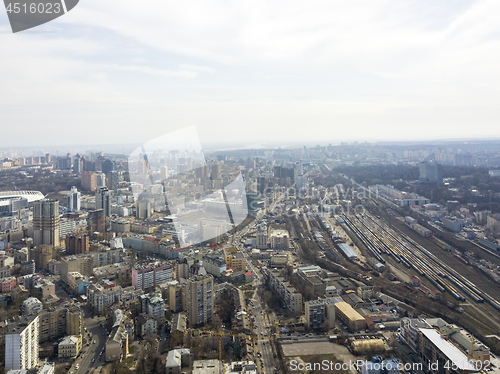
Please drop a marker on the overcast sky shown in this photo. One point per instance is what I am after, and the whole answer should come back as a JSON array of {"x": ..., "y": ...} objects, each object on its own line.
[{"x": 122, "y": 71}]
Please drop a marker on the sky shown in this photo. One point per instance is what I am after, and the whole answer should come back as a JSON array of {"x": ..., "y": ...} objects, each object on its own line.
[{"x": 122, "y": 71}]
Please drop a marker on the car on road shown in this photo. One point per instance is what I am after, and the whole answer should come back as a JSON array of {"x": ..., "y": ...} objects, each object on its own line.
[
  {"x": 93, "y": 360},
  {"x": 94, "y": 341}
]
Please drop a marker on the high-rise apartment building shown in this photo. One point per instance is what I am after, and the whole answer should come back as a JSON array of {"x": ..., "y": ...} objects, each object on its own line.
[
  {"x": 46, "y": 222},
  {"x": 216, "y": 171},
  {"x": 100, "y": 180},
  {"x": 96, "y": 221},
  {"x": 41, "y": 255},
  {"x": 148, "y": 276},
  {"x": 21, "y": 343},
  {"x": 74, "y": 321},
  {"x": 74, "y": 200},
  {"x": 89, "y": 182},
  {"x": 103, "y": 200},
  {"x": 76, "y": 244},
  {"x": 430, "y": 172},
  {"x": 163, "y": 172},
  {"x": 200, "y": 299}
]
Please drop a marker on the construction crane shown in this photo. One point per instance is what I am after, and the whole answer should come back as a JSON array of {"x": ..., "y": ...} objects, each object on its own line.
[{"x": 220, "y": 334}]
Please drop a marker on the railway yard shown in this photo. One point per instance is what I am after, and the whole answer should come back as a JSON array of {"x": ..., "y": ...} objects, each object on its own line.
[{"x": 477, "y": 294}]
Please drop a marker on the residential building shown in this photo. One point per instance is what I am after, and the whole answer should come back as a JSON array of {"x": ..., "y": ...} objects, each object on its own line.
[
  {"x": 214, "y": 264},
  {"x": 288, "y": 295},
  {"x": 31, "y": 305},
  {"x": 53, "y": 322},
  {"x": 147, "y": 325},
  {"x": 177, "y": 297},
  {"x": 279, "y": 239},
  {"x": 69, "y": 346},
  {"x": 234, "y": 259},
  {"x": 200, "y": 299},
  {"x": 81, "y": 264},
  {"x": 319, "y": 311},
  {"x": 21, "y": 343},
  {"x": 96, "y": 221},
  {"x": 207, "y": 367},
  {"x": 117, "y": 344},
  {"x": 74, "y": 321},
  {"x": 76, "y": 244},
  {"x": 8, "y": 283},
  {"x": 176, "y": 359},
  {"x": 431, "y": 172},
  {"x": 101, "y": 296},
  {"x": 178, "y": 327},
  {"x": 148, "y": 276},
  {"x": 74, "y": 197}
]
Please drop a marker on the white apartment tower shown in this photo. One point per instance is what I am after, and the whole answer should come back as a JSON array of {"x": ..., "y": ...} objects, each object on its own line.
[
  {"x": 21, "y": 343},
  {"x": 74, "y": 200}
]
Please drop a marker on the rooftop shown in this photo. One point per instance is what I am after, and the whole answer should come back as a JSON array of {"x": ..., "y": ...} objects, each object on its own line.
[{"x": 448, "y": 350}]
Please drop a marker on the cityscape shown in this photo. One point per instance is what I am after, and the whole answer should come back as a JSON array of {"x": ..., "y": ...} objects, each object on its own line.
[
  {"x": 347, "y": 257},
  {"x": 249, "y": 187}
]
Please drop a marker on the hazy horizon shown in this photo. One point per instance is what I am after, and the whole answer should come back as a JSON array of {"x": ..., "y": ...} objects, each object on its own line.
[{"x": 121, "y": 72}]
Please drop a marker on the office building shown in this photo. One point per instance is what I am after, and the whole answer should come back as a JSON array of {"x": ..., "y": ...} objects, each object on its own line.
[
  {"x": 350, "y": 317},
  {"x": 46, "y": 222},
  {"x": 103, "y": 200},
  {"x": 200, "y": 299},
  {"x": 21, "y": 343},
  {"x": 74, "y": 200}
]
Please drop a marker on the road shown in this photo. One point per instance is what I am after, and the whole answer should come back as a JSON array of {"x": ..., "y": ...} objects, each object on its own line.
[{"x": 92, "y": 351}]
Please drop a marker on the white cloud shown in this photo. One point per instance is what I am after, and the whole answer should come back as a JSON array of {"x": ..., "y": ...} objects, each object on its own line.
[
  {"x": 148, "y": 70},
  {"x": 385, "y": 68}
]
